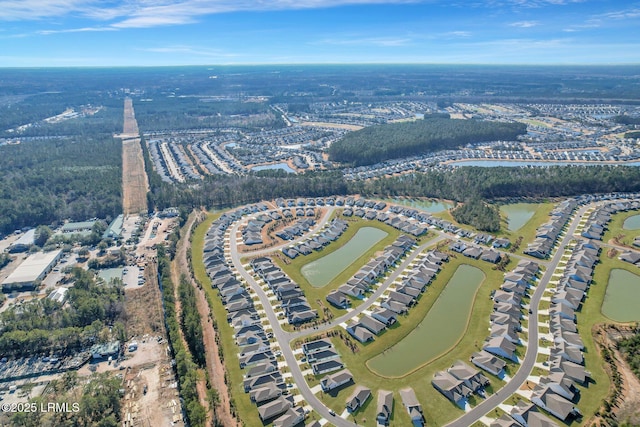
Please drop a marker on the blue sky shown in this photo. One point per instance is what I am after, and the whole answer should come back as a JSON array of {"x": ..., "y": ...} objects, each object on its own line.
[{"x": 193, "y": 32}]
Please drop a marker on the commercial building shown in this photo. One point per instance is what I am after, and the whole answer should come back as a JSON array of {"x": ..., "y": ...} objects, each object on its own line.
[{"x": 33, "y": 269}]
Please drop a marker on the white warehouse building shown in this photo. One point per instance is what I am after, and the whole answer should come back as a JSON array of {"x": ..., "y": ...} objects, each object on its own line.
[{"x": 34, "y": 268}]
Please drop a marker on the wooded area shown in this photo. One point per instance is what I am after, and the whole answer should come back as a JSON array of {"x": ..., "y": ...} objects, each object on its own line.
[
  {"x": 478, "y": 214},
  {"x": 42, "y": 326},
  {"x": 376, "y": 144}
]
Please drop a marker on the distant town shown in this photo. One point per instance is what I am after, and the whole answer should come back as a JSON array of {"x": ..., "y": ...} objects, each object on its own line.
[{"x": 198, "y": 251}]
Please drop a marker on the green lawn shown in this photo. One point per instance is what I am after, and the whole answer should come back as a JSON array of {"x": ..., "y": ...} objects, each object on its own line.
[
  {"x": 614, "y": 228},
  {"x": 438, "y": 410},
  {"x": 247, "y": 411},
  {"x": 316, "y": 296}
]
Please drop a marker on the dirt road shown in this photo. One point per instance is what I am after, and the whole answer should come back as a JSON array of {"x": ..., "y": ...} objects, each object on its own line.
[
  {"x": 215, "y": 367},
  {"x": 134, "y": 177}
]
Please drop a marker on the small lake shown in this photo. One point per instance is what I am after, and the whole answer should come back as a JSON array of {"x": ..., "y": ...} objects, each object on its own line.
[
  {"x": 632, "y": 223},
  {"x": 109, "y": 274},
  {"x": 439, "y": 331},
  {"x": 622, "y": 299},
  {"x": 322, "y": 271},
  {"x": 518, "y": 214},
  {"x": 431, "y": 206},
  {"x": 281, "y": 166},
  {"x": 539, "y": 163}
]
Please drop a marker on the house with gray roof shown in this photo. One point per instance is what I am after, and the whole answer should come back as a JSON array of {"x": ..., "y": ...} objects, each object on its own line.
[
  {"x": 504, "y": 421},
  {"x": 502, "y": 347},
  {"x": 384, "y": 315},
  {"x": 413, "y": 407},
  {"x": 452, "y": 388},
  {"x": 265, "y": 393},
  {"x": 371, "y": 324},
  {"x": 338, "y": 299},
  {"x": 359, "y": 332},
  {"x": 385, "y": 407},
  {"x": 293, "y": 417},
  {"x": 317, "y": 345},
  {"x": 472, "y": 378},
  {"x": 358, "y": 398},
  {"x": 556, "y": 405},
  {"x": 274, "y": 408},
  {"x": 489, "y": 363},
  {"x": 335, "y": 380}
]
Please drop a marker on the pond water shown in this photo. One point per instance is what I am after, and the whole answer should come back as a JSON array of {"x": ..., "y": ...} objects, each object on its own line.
[
  {"x": 440, "y": 329},
  {"x": 431, "y": 206},
  {"x": 622, "y": 299},
  {"x": 632, "y": 223},
  {"x": 282, "y": 166},
  {"x": 322, "y": 271},
  {"x": 518, "y": 214},
  {"x": 110, "y": 273}
]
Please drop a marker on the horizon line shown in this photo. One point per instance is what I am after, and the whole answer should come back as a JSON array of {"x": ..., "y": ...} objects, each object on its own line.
[{"x": 257, "y": 64}]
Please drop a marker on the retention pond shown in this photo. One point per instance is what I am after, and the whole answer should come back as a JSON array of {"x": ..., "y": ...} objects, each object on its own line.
[
  {"x": 632, "y": 223},
  {"x": 439, "y": 331},
  {"x": 622, "y": 299},
  {"x": 518, "y": 214},
  {"x": 322, "y": 271}
]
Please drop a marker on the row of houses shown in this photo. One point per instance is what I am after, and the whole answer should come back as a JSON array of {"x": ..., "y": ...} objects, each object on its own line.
[
  {"x": 505, "y": 320},
  {"x": 361, "y": 282},
  {"x": 298, "y": 229},
  {"x": 547, "y": 234},
  {"x": 524, "y": 414},
  {"x": 329, "y": 234},
  {"x": 459, "y": 382},
  {"x": 597, "y": 220},
  {"x": 476, "y": 252},
  {"x": 290, "y": 296},
  {"x": 557, "y": 392}
]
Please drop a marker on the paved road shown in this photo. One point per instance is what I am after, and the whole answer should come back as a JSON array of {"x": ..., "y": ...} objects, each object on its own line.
[
  {"x": 285, "y": 338},
  {"x": 531, "y": 354}
]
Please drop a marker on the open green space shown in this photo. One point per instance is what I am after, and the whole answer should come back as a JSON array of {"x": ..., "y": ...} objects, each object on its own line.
[
  {"x": 427, "y": 205},
  {"x": 632, "y": 223},
  {"x": 316, "y": 296},
  {"x": 622, "y": 298},
  {"x": 518, "y": 214},
  {"x": 441, "y": 328},
  {"x": 619, "y": 229},
  {"x": 322, "y": 271},
  {"x": 437, "y": 409},
  {"x": 239, "y": 399}
]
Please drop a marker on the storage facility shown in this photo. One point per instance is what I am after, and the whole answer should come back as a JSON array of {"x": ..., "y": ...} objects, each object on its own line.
[
  {"x": 32, "y": 270},
  {"x": 24, "y": 242}
]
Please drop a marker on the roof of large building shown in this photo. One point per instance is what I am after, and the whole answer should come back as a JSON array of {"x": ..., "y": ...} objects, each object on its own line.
[{"x": 32, "y": 267}]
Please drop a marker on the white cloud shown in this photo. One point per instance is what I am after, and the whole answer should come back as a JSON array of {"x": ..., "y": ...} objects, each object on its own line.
[
  {"x": 145, "y": 13},
  {"x": 76, "y": 30},
  {"x": 191, "y": 50},
  {"x": 524, "y": 24}
]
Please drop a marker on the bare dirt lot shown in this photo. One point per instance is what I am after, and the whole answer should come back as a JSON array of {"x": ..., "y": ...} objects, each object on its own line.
[{"x": 134, "y": 178}]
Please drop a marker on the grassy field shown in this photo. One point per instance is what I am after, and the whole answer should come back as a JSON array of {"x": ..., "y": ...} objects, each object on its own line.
[
  {"x": 615, "y": 229},
  {"x": 316, "y": 296},
  {"x": 244, "y": 407},
  {"x": 438, "y": 410}
]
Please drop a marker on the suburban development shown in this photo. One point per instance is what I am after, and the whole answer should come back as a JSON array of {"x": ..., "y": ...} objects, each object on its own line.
[{"x": 249, "y": 246}]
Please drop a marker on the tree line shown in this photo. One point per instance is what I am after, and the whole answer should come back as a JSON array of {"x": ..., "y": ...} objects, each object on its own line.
[
  {"x": 376, "y": 144},
  {"x": 43, "y": 326},
  {"x": 478, "y": 214}
]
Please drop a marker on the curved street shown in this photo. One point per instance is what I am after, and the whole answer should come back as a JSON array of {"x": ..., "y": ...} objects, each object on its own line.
[{"x": 285, "y": 338}]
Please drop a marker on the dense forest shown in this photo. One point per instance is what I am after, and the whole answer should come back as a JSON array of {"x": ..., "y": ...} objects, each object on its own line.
[
  {"x": 42, "y": 325},
  {"x": 497, "y": 183},
  {"x": 45, "y": 181},
  {"x": 478, "y": 214},
  {"x": 185, "y": 366},
  {"x": 389, "y": 141}
]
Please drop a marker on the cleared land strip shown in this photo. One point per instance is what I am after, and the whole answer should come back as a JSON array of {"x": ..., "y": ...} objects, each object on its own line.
[{"x": 134, "y": 178}]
